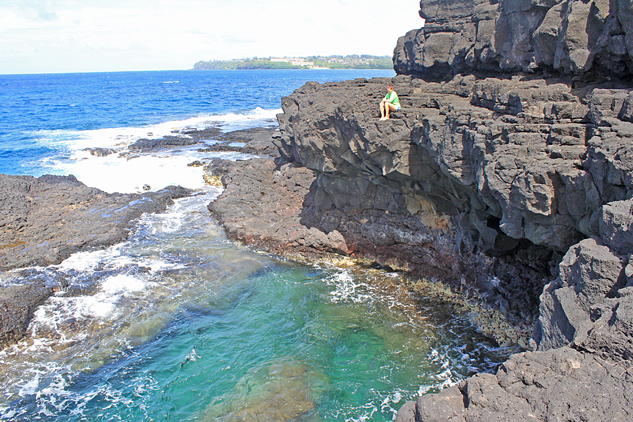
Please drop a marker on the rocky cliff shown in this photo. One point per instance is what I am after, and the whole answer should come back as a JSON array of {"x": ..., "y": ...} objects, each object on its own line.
[
  {"x": 592, "y": 38},
  {"x": 516, "y": 191},
  {"x": 508, "y": 173}
]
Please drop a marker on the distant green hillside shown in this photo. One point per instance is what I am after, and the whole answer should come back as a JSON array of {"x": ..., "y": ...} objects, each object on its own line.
[{"x": 311, "y": 62}]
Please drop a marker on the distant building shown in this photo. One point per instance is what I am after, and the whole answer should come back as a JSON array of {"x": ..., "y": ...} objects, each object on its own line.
[{"x": 295, "y": 61}]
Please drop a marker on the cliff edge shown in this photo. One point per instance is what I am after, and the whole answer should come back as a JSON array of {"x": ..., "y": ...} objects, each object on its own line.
[{"x": 507, "y": 174}]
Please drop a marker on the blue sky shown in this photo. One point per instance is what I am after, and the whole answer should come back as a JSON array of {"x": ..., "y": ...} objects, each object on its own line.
[{"x": 49, "y": 36}]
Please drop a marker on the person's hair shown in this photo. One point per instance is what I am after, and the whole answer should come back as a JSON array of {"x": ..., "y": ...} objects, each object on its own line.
[{"x": 389, "y": 86}]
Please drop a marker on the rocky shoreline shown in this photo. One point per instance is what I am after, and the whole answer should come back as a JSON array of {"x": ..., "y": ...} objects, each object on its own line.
[
  {"x": 44, "y": 220},
  {"x": 507, "y": 175},
  {"x": 350, "y": 184}
]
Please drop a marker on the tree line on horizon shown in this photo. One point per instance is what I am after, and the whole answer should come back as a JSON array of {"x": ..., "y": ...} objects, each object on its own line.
[{"x": 354, "y": 61}]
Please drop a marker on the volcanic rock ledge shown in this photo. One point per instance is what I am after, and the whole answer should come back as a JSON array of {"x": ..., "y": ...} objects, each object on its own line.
[
  {"x": 510, "y": 177},
  {"x": 487, "y": 184},
  {"x": 44, "y": 220}
]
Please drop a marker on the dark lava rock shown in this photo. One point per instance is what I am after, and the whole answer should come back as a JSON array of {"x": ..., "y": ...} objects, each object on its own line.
[
  {"x": 100, "y": 152},
  {"x": 44, "y": 220},
  {"x": 165, "y": 142},
  {"x": 262, "y": 204},
  {"x": 590, "y": 38},
  {"x": 258, "y": 141},
  {"x": 17, "y": 304},
  {"x": 558, "y": 385},
  {"x": 179, "y": 138}
]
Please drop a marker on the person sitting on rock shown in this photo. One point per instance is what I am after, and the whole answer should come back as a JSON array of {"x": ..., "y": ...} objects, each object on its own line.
[{"x": 389, "y": 103}]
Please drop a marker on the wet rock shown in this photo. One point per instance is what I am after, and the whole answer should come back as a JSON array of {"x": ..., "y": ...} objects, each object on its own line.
[
  {"x": 100, "y": 152},
  {"x": 17, "y": 305},
  {"x": 257, "y": 141},
  {"x": 279, "y": 391},
  {"x": 44, "y": 220},
  {"x": 165, "y": 142},
  {"x": 184, "y": 137}
]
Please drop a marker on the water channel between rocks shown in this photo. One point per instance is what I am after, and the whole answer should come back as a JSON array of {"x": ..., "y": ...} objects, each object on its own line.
[{"x": 183, "y": 324}]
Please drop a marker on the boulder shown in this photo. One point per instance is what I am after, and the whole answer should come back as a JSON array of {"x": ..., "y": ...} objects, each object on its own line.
[{"x": 561, "y": 384}]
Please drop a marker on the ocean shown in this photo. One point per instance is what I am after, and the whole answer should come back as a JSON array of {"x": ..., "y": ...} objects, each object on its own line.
[{"x": 178, "y": 323}]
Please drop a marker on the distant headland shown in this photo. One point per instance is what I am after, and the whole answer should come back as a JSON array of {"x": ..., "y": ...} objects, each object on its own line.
[{"x": 354, "y": 61}]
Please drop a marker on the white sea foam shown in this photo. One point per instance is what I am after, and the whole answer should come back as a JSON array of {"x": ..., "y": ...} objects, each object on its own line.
[
  {"x": 132, "y": 173},
  {"x": 347, "y": 288},
  {"x": 116, "y": 174},
  {"x": 123, "y": 284}
]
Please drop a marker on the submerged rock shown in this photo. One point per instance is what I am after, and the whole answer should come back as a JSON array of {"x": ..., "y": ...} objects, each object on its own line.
[{"x": 279, "y": 391}]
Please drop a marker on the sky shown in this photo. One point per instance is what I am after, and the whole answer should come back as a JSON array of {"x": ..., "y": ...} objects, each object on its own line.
[{"x": 58, "y": 36}]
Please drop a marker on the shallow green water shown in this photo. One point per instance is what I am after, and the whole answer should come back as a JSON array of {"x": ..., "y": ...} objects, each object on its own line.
[{"x": 185, "y": 325}]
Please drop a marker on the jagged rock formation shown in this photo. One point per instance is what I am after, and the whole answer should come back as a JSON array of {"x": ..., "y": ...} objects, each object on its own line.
[
  {"x": 512, "y": 179},
  {"x": 571, "y": 37},
  {"x": 485, "y": 183},
  {"x": 554, "y": 164},
  {"x": 510, "y": 167},
  {"x": 44, "y": 220}
]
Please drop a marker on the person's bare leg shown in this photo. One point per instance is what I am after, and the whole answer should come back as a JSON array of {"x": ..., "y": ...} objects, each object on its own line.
[
  {"x": 382, "y": 109},
  {"x": 389, "y": 107}
]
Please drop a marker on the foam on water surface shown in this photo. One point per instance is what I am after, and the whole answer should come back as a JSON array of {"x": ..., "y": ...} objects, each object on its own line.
[{"x": 131, "y": 172}]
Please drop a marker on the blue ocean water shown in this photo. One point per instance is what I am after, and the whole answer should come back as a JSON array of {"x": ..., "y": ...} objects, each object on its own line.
[
  {"x": 40, "y": 114},
  {"x": 181, "y": 324}
]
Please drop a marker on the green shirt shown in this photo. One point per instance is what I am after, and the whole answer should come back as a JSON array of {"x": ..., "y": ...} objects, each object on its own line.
[{"x": 392, "y": 97}]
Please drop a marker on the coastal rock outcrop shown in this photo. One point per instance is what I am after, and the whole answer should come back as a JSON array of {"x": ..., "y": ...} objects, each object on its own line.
[
  {"x": 508, "y": 173},
  {"x": 44, "y": 220},
  {"x": 514, "y": 190},
  {"x": 515, "y": 168},
  {"x": 488, "y": 184},
  {"x": 571, "y": 37},
  {"x": 262, "y": 206}
]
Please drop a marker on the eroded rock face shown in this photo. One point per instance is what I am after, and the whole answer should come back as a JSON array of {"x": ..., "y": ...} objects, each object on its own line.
[
  {"x": 505, "y": 159},
  {"x": 262, "y": 206},
  {"x": 569, "y": 37},
  {"x": 590, "y": 304},
  {"x": 561, "y": 384},
  {"x": 477, "y": 177}
]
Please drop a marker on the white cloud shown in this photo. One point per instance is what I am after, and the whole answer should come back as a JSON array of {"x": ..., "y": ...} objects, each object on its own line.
[{"x": 113, "y": 35}]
